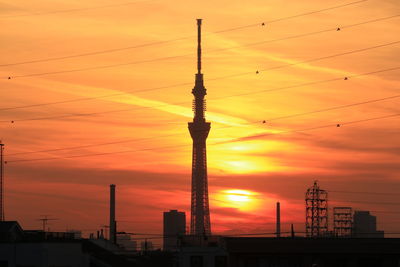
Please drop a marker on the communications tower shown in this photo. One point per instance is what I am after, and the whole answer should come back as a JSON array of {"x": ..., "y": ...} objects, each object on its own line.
[
  {"x": 316, "y": 211},
  {"x": 199, "y": 129}
]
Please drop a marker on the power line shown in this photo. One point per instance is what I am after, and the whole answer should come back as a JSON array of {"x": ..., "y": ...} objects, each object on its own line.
[
  {"x": 219, "y": 78},
  {"x": 370, "y": 202},
  {"x": 116, "y": 142},
  {"x": 367, "y": 193},
  {"x": 191, "y": 36},
  {"x": 269, "y": 90},
  {"x": 307, "y": 34},
  {"x": 334, "y": 55},
  {"x": 94, "y": 53},
  {"x": 98, "y": 97},
  {"x": 190, "y": 83},
  {"x": 185, "y": 55},
  {"x": 336, "y": 108},
  {"x": 93, "y": 145},
  {"x": 188, "y": 37},
  {"x": 312, "y": 128},
  {"x": 241, "y": 94},
  {"x": 98, "y": 67},
  {"x": 169, "y": 135},
  {"x": 176, "y": 146},
  {"x": 74, "y": 9},
  {"x": 383, "y": 211},
  {"x": 159, "y": 236}
]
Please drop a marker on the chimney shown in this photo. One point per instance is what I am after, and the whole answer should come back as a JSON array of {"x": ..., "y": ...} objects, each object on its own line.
[
  {"x": 113, "y": 227},
  {"x": 292, "y": 230},
  {"x": 278, "y": 219}
]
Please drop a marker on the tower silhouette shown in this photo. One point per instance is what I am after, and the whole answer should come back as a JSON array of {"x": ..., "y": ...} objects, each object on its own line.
[
  {"x": 199, "y": 129},
  {"x": 316, "y": 211}
]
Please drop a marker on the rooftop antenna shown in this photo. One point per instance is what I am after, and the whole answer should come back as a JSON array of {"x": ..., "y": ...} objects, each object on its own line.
[{"x": 44, "y": 220}]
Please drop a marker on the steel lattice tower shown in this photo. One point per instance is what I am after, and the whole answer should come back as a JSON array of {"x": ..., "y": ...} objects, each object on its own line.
[
  {"x": 316, "y": 211},
  {"x": 199, "y": 129},
  {"x": 342, "y": 221}
]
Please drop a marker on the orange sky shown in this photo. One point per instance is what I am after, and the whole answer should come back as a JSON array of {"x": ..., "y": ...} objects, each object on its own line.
[{"x": 153, "y": 174}]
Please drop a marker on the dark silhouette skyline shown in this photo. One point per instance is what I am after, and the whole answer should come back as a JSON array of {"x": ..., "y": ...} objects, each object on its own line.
[{"x": 108, "y": 103}]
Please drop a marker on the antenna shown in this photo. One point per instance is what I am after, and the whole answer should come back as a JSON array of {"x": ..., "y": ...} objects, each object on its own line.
[
  {"x": 199, "y": 46},
  {"x": 44, "y": 220}
]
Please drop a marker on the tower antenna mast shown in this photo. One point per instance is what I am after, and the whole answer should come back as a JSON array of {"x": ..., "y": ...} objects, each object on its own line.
[
  {"x": 199, "y": 46},
  {"x": 199, "y": 129}
]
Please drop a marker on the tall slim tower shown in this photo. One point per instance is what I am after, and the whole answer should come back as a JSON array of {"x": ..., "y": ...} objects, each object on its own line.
[
  {"x": 113, "y": 224},
  {"x": 278, "y": 219},
  {"x": 199, "y": 128},
  {"x": 1, "y": 182}
]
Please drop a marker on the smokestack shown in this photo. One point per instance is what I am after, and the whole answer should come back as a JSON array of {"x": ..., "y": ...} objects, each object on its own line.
[
  {"x": 278, "y": 219},
  {"x": 113, "y": 226},
  {"x": 292, "y": 230}
]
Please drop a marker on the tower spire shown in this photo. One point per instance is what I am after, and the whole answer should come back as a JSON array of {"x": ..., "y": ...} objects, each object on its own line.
[
  {"x": 199, "y": 46},
  {"x": 199, "y": 129}
]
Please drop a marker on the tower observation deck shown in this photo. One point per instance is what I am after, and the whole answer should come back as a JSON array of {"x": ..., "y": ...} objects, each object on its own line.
[{"x": 199, "y": 129}]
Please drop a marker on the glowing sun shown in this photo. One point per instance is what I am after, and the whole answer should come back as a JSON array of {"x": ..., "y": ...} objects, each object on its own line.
[{"x": 244, "y": 200}]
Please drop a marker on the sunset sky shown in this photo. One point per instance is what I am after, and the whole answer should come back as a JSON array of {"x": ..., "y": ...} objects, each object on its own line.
[{"x": 100, "y": 93}]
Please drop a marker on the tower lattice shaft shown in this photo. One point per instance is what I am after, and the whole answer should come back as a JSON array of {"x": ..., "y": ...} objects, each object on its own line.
[
  {"x": 316, "y": 211},
  {"x": 199, "y": 129}
]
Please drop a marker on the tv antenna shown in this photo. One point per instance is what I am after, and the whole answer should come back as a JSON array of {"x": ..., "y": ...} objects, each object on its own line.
[{"x": 45, "y": 220}]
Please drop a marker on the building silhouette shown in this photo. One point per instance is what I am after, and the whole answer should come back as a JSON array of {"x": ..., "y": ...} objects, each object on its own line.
[
  {"x": 342, "y": 221},
  {"x": 125, "y": 242},
  {"x": 364, "y": 225},
  {"x": 146, "y": 246},
  {"x": 174, "y": 226},
  {"x": 199, "y": 129},
  {"x": 77, "y": 233}
]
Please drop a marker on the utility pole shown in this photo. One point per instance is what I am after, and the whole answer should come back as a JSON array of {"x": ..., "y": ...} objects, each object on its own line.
[{"x": 2, "y": 217}]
